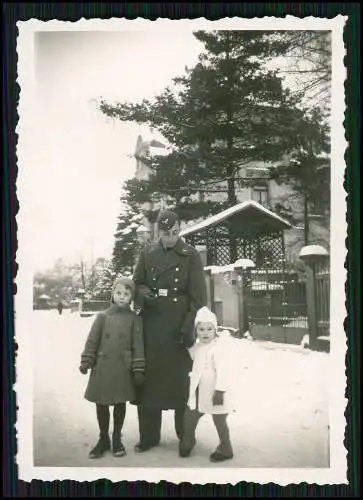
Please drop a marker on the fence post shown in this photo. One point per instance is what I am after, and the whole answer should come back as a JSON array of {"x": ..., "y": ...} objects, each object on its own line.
[
  {"x": 218, "y": 311},
  {"x": 241, "y": 287},
  {"x": 311, "y": 302},
  {"x": 210, "y": 280},
  {"x": 311, "y": 255}
]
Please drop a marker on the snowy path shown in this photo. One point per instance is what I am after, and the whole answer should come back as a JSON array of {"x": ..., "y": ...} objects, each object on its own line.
[{"x": 281, "y": 417}]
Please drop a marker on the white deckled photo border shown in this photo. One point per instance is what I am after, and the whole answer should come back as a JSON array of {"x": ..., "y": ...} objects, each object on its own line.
[{"x": 337, "y": 472}]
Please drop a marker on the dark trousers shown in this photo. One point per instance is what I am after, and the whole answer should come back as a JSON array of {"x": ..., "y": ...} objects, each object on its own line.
[
  {"x": 103, "y": 418},
  {"x": 191, "y": 419},
  {"x": 150, "y": 423}
]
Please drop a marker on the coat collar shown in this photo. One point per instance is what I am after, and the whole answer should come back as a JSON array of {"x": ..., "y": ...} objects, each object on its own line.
[
  {"x": 114, "y": 308},
  {"x": 161, "y": 259},
  {"x": 180, "y": 248}
]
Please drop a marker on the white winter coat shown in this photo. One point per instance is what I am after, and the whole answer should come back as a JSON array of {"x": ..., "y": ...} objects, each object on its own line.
[{"x": 210, "y": 373}]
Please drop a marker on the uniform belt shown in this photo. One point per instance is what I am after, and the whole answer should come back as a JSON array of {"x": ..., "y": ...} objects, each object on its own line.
[{"x": 168, "y": 292}]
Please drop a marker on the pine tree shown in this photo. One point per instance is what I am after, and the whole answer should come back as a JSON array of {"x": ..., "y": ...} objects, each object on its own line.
[
  {"x": 227, "y": 111},
  {"x": 126, "y": 245},
  {"x": 105, "y": 278}
]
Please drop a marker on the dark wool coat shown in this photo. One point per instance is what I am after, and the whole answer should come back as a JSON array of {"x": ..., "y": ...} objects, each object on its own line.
[
  {"x": 168, "y": 320},
  {"x": 114, "y": 349}
]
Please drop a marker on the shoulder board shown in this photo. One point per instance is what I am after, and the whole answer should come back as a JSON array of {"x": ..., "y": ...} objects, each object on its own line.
[{"x": 183, "y": 248}]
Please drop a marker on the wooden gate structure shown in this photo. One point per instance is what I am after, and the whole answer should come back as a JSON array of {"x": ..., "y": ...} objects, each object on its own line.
[
  {"x": 273, "y": 299},
  {"x": 245, "y": 231}
]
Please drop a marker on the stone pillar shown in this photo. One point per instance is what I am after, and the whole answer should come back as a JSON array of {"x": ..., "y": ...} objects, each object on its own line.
[
  {"x": 311, "y": 255},
  {"x": 242, "y": 299},
  {"x": 210, "y": 288},
  {"x": 80, "y": 295}
]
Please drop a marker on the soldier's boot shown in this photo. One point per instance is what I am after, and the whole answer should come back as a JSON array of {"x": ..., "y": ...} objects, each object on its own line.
[
  {"x": 149, "y": 428},
  {"x": 224, "y": 451},
  {"x": 104, "y": 443}
]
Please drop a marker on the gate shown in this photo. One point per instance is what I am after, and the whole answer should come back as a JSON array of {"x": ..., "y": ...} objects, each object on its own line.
[{"x": 276, "y": 305}]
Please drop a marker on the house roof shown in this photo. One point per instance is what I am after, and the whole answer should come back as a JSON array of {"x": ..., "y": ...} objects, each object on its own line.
[
  {"x": 143, "y": 145},
  {"x": 248, "y": 217}
]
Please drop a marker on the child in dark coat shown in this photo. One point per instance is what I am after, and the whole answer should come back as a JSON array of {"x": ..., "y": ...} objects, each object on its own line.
[{"x": 114, "y": 352}]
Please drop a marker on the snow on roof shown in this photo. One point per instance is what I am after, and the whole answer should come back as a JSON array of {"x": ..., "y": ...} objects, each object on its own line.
[
  {"x": 225, "y": 214},
  {"x": 230, "y": 267},
  {"x": 149, "y": 144}
]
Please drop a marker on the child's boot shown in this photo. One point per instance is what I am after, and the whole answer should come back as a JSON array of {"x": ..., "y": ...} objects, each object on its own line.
[
  {"x": 224, "y": 450},
  {"x": 186, "y": 446},
  {"x": 119, "y": 412},
  {"x": 101, "y": 447},
  {"x": 188, "y": 441},
  {"x": 104, "y": 444},
  {"x": 118, "y": 448}
]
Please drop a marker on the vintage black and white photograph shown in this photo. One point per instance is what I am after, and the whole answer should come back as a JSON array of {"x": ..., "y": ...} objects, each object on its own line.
[{"x": 181, "y": 248}]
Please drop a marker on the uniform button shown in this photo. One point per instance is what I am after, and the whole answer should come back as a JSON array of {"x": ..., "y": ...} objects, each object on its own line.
[
  {"x": 175, "y": 289},
  {"x": 177, "y": 269},
  {"x": 154, "y": 279},
  {"x": 175, "y": 299},
  {"x": 176, "y": 279}
]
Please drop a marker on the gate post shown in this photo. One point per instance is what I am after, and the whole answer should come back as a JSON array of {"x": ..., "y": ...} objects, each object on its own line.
[
  {"x": 242, "y": 299},
  {"x": 311, "y": 302},
  {"x": 210, "y": 290},
  {"x": 311, "y": 255}
]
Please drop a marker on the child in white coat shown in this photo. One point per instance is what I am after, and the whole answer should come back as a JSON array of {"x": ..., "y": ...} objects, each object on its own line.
[{"x": 209, "y": 384}]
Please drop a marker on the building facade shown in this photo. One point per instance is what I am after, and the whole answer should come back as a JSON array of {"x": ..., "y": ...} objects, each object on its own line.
[{"x": 279, "y": 198}]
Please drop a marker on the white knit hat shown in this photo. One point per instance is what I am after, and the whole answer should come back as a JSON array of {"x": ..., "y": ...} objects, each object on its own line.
[{"x": 204, "y": 315}]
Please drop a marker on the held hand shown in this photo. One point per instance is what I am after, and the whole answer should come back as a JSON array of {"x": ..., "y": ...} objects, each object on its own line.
[
  {"x": 218, "y": 398},
  {"x": 150, "y": 298},
  {"x": 185, "y": 340},
  {"x": 139, "y": 378},
  {"x": 84, "y": 367}
]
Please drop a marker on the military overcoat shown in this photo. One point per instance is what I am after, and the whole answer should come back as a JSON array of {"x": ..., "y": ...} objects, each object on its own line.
[
  {"x": 170, "y": 288},
  {"x": 114, "y": 348}
]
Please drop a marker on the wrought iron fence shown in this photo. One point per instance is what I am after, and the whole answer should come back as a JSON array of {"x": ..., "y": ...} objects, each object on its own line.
[
  {"x": 94, "y": 305},
  {"x": 276, "y": 298}
]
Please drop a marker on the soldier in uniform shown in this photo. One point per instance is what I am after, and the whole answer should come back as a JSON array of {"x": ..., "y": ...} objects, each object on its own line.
[{"x": 171, "y": 287}]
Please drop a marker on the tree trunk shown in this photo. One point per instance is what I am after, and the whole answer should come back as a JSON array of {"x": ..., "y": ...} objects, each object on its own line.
[
  {"x": 83, "y": 276},
  {"x": 306, "y": 220},
  {"x": 232, "y": 198}
]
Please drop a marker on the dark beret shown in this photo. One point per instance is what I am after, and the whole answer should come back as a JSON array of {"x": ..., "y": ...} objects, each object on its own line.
[{"x": 167, "y": 219}]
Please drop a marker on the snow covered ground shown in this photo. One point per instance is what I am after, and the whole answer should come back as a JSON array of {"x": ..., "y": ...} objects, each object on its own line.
[{"x": 280, "y": 418}]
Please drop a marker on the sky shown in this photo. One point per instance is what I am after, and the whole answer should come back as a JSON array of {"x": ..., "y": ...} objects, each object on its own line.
[
  {"x": 80, "y": 158},
  {"x": 76, "y": 158}
]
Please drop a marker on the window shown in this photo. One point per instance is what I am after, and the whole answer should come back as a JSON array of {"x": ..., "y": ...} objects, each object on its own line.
[{"x": 260, "y": 194}]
